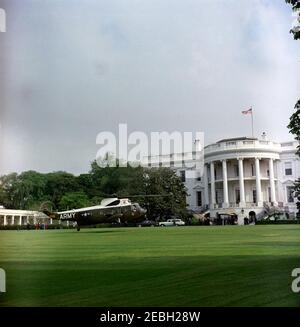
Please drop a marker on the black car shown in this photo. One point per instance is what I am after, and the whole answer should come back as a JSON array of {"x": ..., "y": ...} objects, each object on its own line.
[{"x": 147, "y": 223}]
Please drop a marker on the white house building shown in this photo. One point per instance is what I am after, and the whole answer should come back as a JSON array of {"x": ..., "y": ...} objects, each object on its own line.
[
  {"x": 246, "y": 177},
  {"x": 10, "y": 217}
]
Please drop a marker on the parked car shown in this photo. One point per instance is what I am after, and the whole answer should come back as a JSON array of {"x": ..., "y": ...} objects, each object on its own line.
[
  {"x": 172, "y": 222},
  {"x": 147, "y": 223}
]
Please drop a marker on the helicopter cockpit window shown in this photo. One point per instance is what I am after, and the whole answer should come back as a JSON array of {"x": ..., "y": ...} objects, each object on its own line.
[{"x": 114, "y": 203}]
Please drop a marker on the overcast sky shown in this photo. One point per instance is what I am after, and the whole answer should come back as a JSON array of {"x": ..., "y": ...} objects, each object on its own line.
[{"x": 71, "y": 69}]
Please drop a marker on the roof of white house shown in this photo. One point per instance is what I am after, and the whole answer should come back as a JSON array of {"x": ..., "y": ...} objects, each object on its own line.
[
  {"x": 242, "y": 138},
  {"x": 14, "y": 212}
]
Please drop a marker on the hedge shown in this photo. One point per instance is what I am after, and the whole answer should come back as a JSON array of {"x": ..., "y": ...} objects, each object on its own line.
[
  {"x": 278, "y": 222},
  {"x": 32, "y": 227}
]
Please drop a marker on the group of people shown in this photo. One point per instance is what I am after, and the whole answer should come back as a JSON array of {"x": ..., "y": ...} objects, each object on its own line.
[{"x": 37, "y": 226}]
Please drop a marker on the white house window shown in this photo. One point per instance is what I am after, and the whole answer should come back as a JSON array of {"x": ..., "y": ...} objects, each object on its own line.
[
  {"x": 237, "y": 196},
  {"x": 219, "y": 196},
  {"x": 236, "y": 170},
  {"x": 182, "y": 175},
  {"x": 288, "y": 169},
  {"x": 199, "y": 199},
  {"x": 252, "y": 170},
  {"x": 290, "y": 194},
  {"x": 254, "y": 196}
]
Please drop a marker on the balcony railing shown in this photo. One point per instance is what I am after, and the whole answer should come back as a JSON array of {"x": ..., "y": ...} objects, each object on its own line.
[
  {"x": 243, "y": 144},
  {"x": 237, "y": 205},
  {"x": 251, "y": 204}
]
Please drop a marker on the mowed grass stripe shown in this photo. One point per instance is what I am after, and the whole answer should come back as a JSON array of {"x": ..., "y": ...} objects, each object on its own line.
[{"x": 198, "y": 266}]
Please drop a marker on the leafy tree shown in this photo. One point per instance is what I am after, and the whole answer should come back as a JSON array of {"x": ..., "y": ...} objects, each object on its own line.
[
  {"x": 58, "y": 184},
  {"x": 85, "y": 183},
  {"x": 28, "y": 189},
  {"x": 297, "y": 195},
  {"x": 294, "y": 124},
  {"x": 7, "y": 184},
  {"x": 73, "y": 200},
  {"x": 157, "y": 189},
  {"x": 96, "y": 200},
  {"x": 165, "y": 194},
  {"x": 296, "y": 8},
  {"x": 118, "y": 181}
]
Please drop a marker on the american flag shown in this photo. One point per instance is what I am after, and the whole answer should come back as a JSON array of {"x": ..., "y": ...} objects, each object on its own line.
[{"x": 246, "y": 112}]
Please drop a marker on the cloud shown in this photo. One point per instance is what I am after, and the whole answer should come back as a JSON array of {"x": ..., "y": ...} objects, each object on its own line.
[{"x": 74, "y": 69}]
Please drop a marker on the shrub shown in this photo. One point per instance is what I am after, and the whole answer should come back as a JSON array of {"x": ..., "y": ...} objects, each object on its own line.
[{"x": 278, "y": 222}]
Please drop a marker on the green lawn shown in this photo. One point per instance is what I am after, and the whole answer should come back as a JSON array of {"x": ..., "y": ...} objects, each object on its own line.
[{"x": 177, "y": 266}]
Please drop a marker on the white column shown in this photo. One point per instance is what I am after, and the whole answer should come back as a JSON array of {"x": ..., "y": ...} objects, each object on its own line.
[
  {"x": 272, "y": 182},
  {"x": 51, "y": 221},
  {"x": 27, "y": 219},
  {"x": 12, "y": 220},
  {"x": 212, "y": 185},
  {"x": 205, "y": 177},
  {"x": 258, "y": 183},
  {"x": 20, "y": 220},
  {"x": 242, "y": 183},
  {"x": 278, "y": 184},
  {"x": 225, "y": 185},
  {"x": 5, "y": 220}
]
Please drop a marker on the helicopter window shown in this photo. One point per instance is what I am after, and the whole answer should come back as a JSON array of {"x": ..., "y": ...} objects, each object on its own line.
[{"x": 114, "y": 203}]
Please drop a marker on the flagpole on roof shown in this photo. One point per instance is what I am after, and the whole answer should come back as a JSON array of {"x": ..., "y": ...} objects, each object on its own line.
[
  {"x": 252, "y": 122},
  {"x": 246, "y": 112}
]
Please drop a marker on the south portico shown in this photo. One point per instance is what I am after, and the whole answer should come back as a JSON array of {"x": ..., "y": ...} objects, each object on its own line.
[
  {"x": 243, "y": 176},
  {"x": 240, "y": 177}
]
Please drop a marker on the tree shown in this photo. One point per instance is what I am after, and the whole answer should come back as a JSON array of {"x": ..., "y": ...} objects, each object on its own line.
[
  {"x": 296, "y": 8},
  {"x": 297, "y": 195},
  {"x": 73, "y": 200},
  {"x": 294, "y": 124},
  {"x": 159, "y": 190},
  {"x": 118, "y": 181},
  {"x": 27, "y": 189},
  {"x": 165, "y": 194},
  {"x": 58, "y": 184},
  {"x": 7, "y": 185}
]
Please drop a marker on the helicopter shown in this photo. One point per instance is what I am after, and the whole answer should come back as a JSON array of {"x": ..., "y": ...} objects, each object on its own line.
[{"x": 110, "y": 210}]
